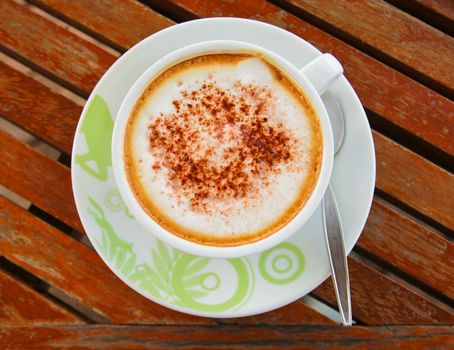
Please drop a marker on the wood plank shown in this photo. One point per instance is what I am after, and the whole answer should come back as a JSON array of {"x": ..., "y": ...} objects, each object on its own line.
[
  {"x": 443, "y": 7},
  {"x": 38, "y": 178},
  {"x": 438, "y": 13},
  {"x": 410, "y": 246},
  {"x": 57, "y": 52},
  {"x": 295, "y": 313},
  {"x": 411, "y": 43},
  {"x": 106, "y": 16},
  {"x": 384, "y": 91},
  {"x": 19, "y": 304},
  {"x": 76, "y": 269},
  {"x": 380, "y": 300},
  {"x": 200, "y": 337},
  {"x": 414, "y": 181},
  {"x": 36, "y": 108}
]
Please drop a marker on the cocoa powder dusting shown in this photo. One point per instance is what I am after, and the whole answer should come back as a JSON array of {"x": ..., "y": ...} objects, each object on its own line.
[{"x": 220, "y": 144}]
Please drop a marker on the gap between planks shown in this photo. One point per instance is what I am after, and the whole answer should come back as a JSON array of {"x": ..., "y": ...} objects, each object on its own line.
[
  {"x": 25, "y": 299},
  {"x": 437, "y": 13}
]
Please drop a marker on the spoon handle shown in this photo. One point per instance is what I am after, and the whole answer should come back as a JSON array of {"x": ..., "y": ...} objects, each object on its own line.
[{"x": 334, "y": 238}]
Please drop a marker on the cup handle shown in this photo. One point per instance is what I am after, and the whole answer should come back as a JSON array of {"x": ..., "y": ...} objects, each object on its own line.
[{"x": 322, "y": 72}]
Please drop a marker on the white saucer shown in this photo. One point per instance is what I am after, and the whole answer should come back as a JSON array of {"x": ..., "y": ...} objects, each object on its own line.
[{"x": 203, "y": 286}]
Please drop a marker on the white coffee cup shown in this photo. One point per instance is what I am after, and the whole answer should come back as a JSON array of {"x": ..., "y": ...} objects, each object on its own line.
[{"x": 313, "y": 79}]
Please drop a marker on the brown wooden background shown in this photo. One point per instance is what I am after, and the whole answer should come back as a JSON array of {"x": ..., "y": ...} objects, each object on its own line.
[{"x": 399, "y": 57}]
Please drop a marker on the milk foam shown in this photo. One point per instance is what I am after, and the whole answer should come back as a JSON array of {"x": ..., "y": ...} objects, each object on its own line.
[{"x": 235, "y": 217}]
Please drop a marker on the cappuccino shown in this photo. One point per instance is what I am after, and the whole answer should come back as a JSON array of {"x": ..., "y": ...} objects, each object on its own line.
[{"x": 223, "y": 149}]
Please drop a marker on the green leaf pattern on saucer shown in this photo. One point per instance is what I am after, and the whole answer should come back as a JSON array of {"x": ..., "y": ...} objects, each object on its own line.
[
  {"x": 97, "y": 128},
  {"x": 168, "y": 274}
]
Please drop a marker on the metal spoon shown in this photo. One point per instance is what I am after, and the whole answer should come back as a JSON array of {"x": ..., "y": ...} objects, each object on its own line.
[{"x": 332, "y": 225}]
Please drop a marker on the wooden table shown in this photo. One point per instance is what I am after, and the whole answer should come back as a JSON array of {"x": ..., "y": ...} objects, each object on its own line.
[{"x": 399, "y": 57}]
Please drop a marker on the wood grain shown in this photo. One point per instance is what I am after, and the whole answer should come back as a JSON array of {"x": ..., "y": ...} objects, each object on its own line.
[
  {"x": 107, "y": 17},
  {"x": 53, "y": 49},
  {"x": 410, "y": 246},
  {"x": 22, "y": 305},
  {"x": 37, "y": 109},
  {"x": 384, "y": 91},
  {"x": 296, "y": 313},
  {"x": 200, "y": 337},
  {"x": 442, "y": 7},
  {"x": 438, "y": 13},
  {"x": 414, "y": 181},
  {"x": 38, "y": 178},
  {"x": 76, "y": 269},
  {"x": 380, "y": 300},
  {"x": 411, "y": 43}
]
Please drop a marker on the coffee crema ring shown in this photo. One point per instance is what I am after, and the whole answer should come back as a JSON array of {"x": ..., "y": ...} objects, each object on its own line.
[{"x": 223, "y": 149}]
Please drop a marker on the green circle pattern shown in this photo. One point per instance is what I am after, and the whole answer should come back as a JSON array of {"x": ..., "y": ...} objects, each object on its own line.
[
  {"x": 187, "y": 300},
  {"x": 208, "y": 275},
  {"x": 277, "y": 269},
  {"x": 285, "y": 248},
  {"x": 113, "y": 200}
]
